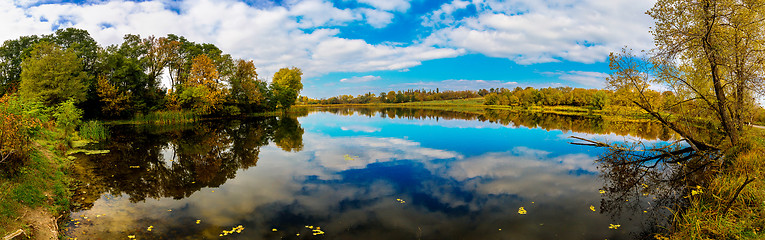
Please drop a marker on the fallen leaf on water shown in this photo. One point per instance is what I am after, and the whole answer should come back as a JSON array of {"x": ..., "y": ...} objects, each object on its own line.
[
  {"x": 614, "y": 226},
  {"x": 521, "y": 211},
  {"x": 135, "y": 166},
  {"x": 592, "y": 208},
  {"x": 602, "y": 191},
  {"x": 198, "y": 221},
  {"x": 273, "y": 229}
]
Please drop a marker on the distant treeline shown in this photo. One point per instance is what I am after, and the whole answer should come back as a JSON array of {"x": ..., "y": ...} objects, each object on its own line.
[
  {"x": 410, "y": 95},
  {"x": 120, "y": 81},
  {"x": 560, "y": 96}
]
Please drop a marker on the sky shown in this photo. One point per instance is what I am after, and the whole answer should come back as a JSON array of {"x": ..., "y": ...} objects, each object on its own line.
[{"x": 359, "y": 46}]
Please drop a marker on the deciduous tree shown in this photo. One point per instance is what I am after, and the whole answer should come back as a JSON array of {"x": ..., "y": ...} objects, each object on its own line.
[
  {"x": 52, "y": 75},
  {"x": 286, "y": 86}
]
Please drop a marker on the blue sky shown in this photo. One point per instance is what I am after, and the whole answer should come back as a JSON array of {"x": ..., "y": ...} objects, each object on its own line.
[{"x": 359, "y": 46}]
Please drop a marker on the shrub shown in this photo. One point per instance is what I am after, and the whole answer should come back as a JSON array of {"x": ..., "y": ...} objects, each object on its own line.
[
  {"x": 67, "y": 117},
  {"x": 17, "y": 126}
]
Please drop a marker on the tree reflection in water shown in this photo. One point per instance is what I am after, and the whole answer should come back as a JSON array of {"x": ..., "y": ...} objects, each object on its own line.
[
  {"x": 176, "y": 161},
  {"x": 656, "y": 180}
]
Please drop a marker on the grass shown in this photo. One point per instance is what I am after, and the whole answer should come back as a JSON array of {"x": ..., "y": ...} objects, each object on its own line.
[
  {"x": 706, "y": 218},
  {"x": 165, "y": 117},
  {"x": 40, "y": 183}
]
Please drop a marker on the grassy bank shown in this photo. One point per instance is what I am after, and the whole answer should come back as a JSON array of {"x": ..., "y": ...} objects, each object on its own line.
[
  {"x": 732, "y": 206},
  {"x": 33, "y": 198}
]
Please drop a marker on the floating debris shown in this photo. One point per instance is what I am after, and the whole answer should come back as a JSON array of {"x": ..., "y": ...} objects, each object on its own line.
[
  {"x": 198, "y": 221},
  {"x": 614, "y": 226},
  {"x": 602, "y": 191},
  {"x": 237, "y": 229},
  {"x": 521, "y": 211},
  {"x": 131, "y": 236},
  {"x": 318, "y": 231},
  {"x": 149, "y": 228},
  {"x": 349, "y": 157},
  {"x": 400, "y": 200},
  {"x": 135, "y": 166},
  {"x": 592, "y": 208},
  {"x": 273, "y": 229}
]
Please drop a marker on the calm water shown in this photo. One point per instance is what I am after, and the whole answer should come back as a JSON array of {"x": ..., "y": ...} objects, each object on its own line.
[{"x": 355, "y": 174}]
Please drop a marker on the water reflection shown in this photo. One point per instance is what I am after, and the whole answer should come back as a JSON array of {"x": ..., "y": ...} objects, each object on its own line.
[
  {"x": 585, "y": 124},
  {"x": 344, "y": 173}
]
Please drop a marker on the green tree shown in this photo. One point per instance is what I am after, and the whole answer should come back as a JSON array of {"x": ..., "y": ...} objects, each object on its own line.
[
  {"x": 68, "y": 116},
  {"x": 246, "y": 90},
  {"x": 52, "y": 75},
  {"x": 12, "y": 53},
  {"x": 286, "y": 86}
]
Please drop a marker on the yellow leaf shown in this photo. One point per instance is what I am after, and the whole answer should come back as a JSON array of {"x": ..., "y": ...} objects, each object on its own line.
[
  {"x": 521, "y": 211},
  {"x": 592, "y": 208}
]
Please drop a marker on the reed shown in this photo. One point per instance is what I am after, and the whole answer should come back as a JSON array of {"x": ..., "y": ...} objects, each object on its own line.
[
  {"x": 166, "y": 117},
  {"x": 94, "y": 130}
]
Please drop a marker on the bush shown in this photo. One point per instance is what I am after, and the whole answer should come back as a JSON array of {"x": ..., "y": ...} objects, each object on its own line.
[
  {"x": 17, "y": 126},
  {"x": 68, "y": 117}
]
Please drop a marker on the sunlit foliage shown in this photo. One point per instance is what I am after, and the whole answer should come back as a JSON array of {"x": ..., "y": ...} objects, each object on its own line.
[{"x": 52, "y": 75}]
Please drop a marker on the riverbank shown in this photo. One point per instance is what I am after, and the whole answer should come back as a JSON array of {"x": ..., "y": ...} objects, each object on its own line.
[
  {"x": 732, "y": 206},
  {"x": 34, "y": 200}
]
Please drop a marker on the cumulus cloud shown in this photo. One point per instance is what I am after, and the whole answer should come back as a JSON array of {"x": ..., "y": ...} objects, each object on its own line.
[
  {"x": 529, "y": 32},
  {"x": 360, "y": 79},
  {"x": 388, "y": 5},
  {"x": 300, "y": 33},
  {"x": 583, "y": 78},
  {"x": 306, "y": 33}
]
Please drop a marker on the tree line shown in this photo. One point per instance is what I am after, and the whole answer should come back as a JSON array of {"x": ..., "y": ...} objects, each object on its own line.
[
  {"x": 119, "y": 81},
  {"x": 410, "y": 95},
  {"x": 567, "y": 96}
]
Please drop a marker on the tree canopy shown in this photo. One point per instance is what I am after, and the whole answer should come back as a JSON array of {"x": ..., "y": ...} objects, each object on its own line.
[
  {"x": 122, "y": 80},
  {"x": 52, "y": 75},
  {"x": 710, "y": 54}
]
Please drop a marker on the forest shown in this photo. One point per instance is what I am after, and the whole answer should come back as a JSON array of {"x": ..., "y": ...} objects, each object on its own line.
[{"x": 120, "y": 81}]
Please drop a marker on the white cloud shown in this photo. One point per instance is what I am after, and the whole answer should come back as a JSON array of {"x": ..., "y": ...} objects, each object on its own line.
[
  {"x": 443, "y": 15},
  {"x": 388, "y": 5},
  {"x": 360, "y": 128},
  {"x": 299, "y": 34},
  {"x": 529, "y": 32},
  {"x": 583, "y": 78},
  {"x": 361, "y": 79},
  {"x": 377, "y": 18}
]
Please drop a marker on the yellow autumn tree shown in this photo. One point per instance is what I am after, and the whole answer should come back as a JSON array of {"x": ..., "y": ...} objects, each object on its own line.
[
  {"x": 203, "y": 91},
  {"x": 114, "y": 103}
]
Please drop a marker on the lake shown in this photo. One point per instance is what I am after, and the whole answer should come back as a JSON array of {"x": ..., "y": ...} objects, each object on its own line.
[{"x": 364, "y": 173}]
